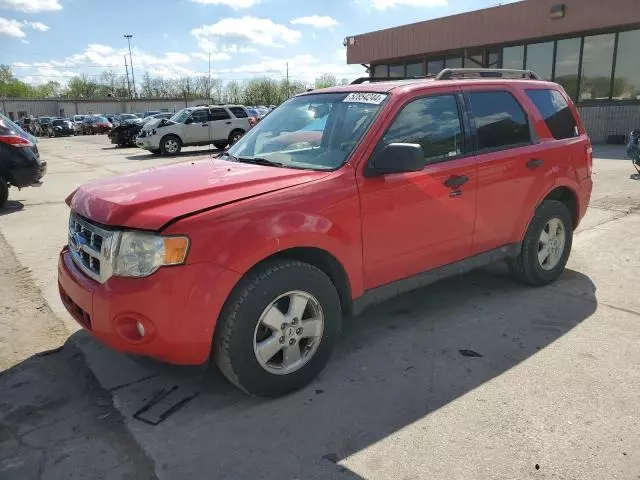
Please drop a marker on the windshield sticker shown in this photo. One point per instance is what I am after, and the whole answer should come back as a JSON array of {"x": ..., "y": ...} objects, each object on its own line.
[{"x": 363, "y": 97}]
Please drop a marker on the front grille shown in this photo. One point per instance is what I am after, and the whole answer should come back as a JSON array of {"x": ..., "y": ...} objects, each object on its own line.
[
  {"x": 92, "y": 247},
  {"x": 74, "y": 309}
]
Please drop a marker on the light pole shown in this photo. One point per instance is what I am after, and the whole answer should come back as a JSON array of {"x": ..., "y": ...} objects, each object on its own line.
[{"x": 133, "y": 78}]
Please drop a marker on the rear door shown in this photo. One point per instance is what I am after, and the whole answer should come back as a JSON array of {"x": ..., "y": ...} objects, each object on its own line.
[
  {"x": 221, "y": 123},
  {"x": 195, "y": 130},
  {"x": 510, "y": 158}
]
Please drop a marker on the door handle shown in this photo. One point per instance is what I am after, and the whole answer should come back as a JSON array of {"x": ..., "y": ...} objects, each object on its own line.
[
  {"x": 205, "y": 124},
  {"x": 228, "y": 123},
  {"x": 455, "y": 181},
  {"x": 535, "y": 163}
]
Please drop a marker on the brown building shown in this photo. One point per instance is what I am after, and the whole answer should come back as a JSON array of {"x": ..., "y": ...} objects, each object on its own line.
[{"x": 590, "y": 47}]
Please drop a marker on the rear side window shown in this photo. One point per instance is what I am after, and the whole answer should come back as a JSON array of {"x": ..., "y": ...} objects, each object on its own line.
[
  {"x": 500, "y": 120},
  {"x": 556, "y": 112},
  {"x": 238, "y": 112},
  {"x": 218, "y": 114},
  {"x": 433, "y": 122}
]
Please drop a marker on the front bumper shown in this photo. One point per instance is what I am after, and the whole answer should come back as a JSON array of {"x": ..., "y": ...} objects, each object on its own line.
[
  {"x": 178, "y": 307},
  {"x": 149, "y": 143}
]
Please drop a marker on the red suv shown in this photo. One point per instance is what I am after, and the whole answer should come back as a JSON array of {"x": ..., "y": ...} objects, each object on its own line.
[{"x": 337, "y": 199}]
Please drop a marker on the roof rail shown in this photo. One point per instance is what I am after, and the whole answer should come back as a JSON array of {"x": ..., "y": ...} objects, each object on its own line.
[
  {"x": 360, "y": 80},
  {"x": 449, "y": 73}
]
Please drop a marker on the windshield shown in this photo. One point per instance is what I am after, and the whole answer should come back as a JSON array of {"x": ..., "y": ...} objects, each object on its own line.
[
  {"x": 317, "y": 131},
  {"x": 78, "y": 118},
  {"x": 181, "y": 115},
  {"x": 128, "y": 116},
  {"x": 101, "y": 120},
  {"x": 44, "y": 120},
  {"x": 60, "y": 123}
]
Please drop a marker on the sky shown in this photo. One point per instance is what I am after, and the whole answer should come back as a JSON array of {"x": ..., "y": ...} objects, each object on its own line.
[{"x": 46, "y": 40}]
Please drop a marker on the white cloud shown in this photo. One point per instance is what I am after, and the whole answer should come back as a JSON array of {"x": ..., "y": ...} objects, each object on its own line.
[
  {"x": 31, "y": 6},
  {"x": 384, "y": 4},
  {"x": 40, "y": 27},
  {"x": 235, "y": 4},
  {"x": 12, "y": 28},
  {"x": 316, "y": 21},
  {"x": 239, "y": 32},
  {"x": 301, "y": 67},
  {"x": 214, "y": 56}
]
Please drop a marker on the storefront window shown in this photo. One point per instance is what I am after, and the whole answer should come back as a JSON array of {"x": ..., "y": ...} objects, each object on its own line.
[
  {"x": 474, "y": 59},
  {"x": 597, "y": 60},
  {"x": 540, "y": 59},
  {"x": 415, "y": 69},
  {"x": 380, "y": 71},
  {"x": 513, "y": 57},
  {"x": 567, "y": 61},
  {"x": 396, "y": 71},
  {"x": 434, "y": 66},
  {"x": 453, "y": 62},
  {"x": 627, "y": 78}
]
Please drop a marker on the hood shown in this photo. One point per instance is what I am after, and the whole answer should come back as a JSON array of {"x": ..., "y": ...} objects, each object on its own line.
[
  {"x": 157, "y": 123},
  {"x": 151, "y": 198}
]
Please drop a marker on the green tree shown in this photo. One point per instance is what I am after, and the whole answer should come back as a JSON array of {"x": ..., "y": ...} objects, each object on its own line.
[{"x": 326, "y": 80}]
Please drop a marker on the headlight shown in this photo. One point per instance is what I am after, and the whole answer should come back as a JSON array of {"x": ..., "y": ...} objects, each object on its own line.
[{"x": 140, "y": 254}]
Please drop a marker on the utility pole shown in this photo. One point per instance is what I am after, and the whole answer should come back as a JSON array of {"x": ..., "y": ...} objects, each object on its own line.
[
  {"x": 209, "y": 81},
  {"x": 133, "y": 77},
  {"x": 126, "y": 69},
  {"x": 288, "y": 90}
]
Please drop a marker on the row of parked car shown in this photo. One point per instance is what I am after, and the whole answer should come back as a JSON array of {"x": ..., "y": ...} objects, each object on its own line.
[{"x": 220, "y": 125}]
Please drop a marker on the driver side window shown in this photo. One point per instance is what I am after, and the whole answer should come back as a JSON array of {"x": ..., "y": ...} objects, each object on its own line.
[
  {"x": 433, "y": 123},
  {"x": 199, "y": 116}
]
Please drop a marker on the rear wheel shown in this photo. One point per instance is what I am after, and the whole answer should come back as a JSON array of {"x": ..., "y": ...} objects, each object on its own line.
[
  {"x": 4, "y": 192},
  {"x": 170, "y": 145},
  {"x": 220, "y": 145},
  {"x": 546, "y": 246},
  {"x": 278, "y": 328},
  {"x": 235, "y": 136}
]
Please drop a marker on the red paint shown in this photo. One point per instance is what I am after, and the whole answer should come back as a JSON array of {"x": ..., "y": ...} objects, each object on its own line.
[{"x": 379, "y": 229}]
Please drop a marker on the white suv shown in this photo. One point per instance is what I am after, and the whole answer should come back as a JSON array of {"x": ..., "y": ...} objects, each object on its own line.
[{"x": 221, "y": 125}]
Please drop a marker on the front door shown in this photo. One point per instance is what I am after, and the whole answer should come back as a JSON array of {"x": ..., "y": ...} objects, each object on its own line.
[
  {"x": 221, "y": 123},
  {"x": 196, "y": 128},
  {"x": 414, "y": 222}
]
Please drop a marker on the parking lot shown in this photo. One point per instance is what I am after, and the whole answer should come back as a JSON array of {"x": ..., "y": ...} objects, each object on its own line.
[{"x": 553, "y": 391}]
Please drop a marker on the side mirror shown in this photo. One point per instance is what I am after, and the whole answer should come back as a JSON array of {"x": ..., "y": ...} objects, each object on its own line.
[
  {"x": 396, "y": 158},
  {"x": 188, "y": 121}
]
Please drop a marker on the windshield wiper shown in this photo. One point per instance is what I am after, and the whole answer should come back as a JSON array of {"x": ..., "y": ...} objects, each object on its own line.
[{"x": 260, "y": 161}]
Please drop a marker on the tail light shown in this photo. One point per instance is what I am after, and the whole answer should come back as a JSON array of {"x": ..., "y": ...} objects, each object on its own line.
[
  {"x": 589, "y": 151},
  {"x": 15, "y": 140}
]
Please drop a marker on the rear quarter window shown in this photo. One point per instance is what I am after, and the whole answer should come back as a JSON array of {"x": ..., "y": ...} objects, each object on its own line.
[
  {"x": 239, "y": 112},
  {"x": 556, "y": 112}
]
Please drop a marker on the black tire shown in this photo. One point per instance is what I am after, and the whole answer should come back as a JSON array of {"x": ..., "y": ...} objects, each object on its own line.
[
  {"x": 155, "y": 152},
  {"x": 165, "y": 140},
  {"x": 221, "y": 145},
  {"x": 235, "y": 135},
  {"x": 4, "y": 192},
  {"x": 233, "y": 341},
  {"x": 526, "y": 267}
]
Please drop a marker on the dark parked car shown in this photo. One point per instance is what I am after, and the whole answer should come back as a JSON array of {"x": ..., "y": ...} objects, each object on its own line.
[
  {"x": 40, "y": 126},
  {"x": 20, "y": 164},
  {"x": 93, "y": 125},
  {"x": 124, "y": 134},
  {"x": 60, "y": 127}
]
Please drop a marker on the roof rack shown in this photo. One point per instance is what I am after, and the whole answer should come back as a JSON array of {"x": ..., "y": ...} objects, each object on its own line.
[{"x": 451, "y": 73}]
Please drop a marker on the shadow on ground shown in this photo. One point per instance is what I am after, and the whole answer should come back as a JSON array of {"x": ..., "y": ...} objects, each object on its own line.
[
  {"x": 11, "y": 206},
  {"x": 396, "y": 363},
  {"x": 56, "y": 422}
]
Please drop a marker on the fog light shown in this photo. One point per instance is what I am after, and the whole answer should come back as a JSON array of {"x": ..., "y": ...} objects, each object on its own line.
[{"x": 140, "y": 329}]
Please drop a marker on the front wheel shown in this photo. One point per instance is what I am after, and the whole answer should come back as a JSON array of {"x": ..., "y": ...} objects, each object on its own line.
[
  {"x": 170, "y": 145},
  {"x": 278, "y": 328},
  {"x": 546, "y": 246}
]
